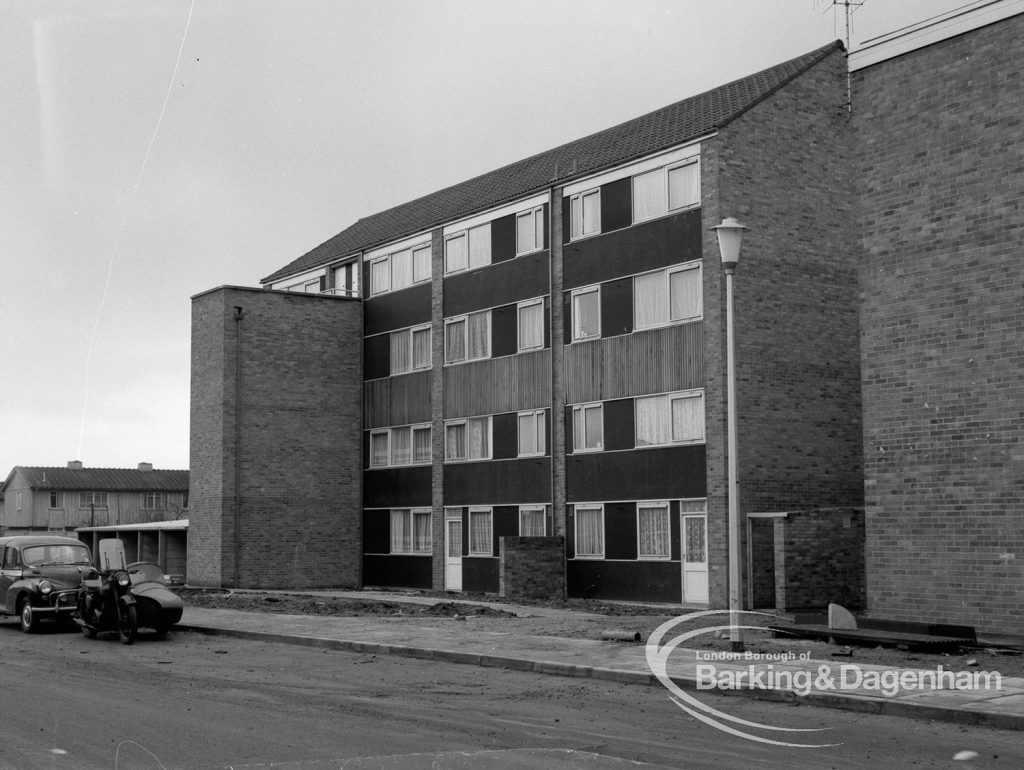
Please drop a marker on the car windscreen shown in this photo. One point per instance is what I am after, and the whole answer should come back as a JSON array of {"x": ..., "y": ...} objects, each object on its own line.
[{"x": 38, "y": 555}]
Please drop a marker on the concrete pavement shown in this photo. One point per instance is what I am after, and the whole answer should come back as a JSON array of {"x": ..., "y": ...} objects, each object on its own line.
[{"x": 964, "y": 697}]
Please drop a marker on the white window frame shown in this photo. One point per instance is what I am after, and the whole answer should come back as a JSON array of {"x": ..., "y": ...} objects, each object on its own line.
[
  {"x": 408, "y": 516},
  {"x": 464, "y": 319},
  {"x": 410, "y": 364},
  {"x": 465, "y": 422},
  {"x": 472, "y": 239},
  {"x": 537, "y": 344},
  {"x": 153, "y": 501},
  {"x": 538, "y": 417},
  {"x": 479, "y": 512},
  {"x": 384, "y": 281},
  {"x": 580, "y": 421},
  {"x": 92, "y": 499},
  {"x": 577, "y": 214},
  {"x": 668, "y": 400},
  {"x": 389, "y": 451},
  {"x": 599, "y": 508},
  {"x": 665, "y": 297},
  {"x": 533, "y": 510},
  {"x": 661, "y": 505},
  {"x": 56, "y": 500},
  {"x": 577, "y": 333},
  {"x": 665, "y": 202},
  {"x": 536, "y": 224}
]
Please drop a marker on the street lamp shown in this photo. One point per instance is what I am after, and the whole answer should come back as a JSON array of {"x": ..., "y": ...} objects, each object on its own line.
[{"x": 730, "y": 235}]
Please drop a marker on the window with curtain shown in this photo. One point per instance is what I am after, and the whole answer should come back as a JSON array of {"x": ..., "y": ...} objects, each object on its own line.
[
  {"x": 401, "y": 269},
  {"x": 401, "y": 533},
  {"x": 649, "y": 195},
  {"x": 533, "y": 521},
  {"x": 421, "y": 450},
  {"x": 684, "y": 185},
  {"x": 586, "y": 313},
  {"x": 421, "y": 536},
  {"x": 479, "y": 333},
  {"x": 481, "y": 542},
  {"x": 531, "y": 325},
  {"x": 667, "y": 296},
  {"x": 455, "y": 340},
  {"x": 532, "y": 433},
  {"x": 694, "y": 530},
  {"x": 378, "y": 448},
  {"x": 421, "y": 348},
  {"x": 456, "y": 253},
  {"x": 585, "y": 214},
  {"x": 677, "y": 418},
  {"x": 401, "y": 353},
  {"x": 401, "y": 446},
  {"x": 421, "y": 264},
  {"x": 480, "y": 245},
  {"x": 410, "y": 530},
  {"x": 380, "y": 276},
  {"x": 588, "y": 427},
  {"x": 468, "y": 439},
  {"x": 653, "y": 531},
  {"x": 589, "y": 532},
  {"x": 530, "y": 231}
]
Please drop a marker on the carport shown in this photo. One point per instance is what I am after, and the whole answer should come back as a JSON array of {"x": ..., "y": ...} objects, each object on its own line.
[{"x": 161, "y": 542}]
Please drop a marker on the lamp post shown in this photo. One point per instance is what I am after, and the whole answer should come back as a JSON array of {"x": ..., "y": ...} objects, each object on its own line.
[{"x": 730, "y": 235}]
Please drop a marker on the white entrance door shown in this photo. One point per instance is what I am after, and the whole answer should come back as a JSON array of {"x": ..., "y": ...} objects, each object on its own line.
[
  {"x": 695, "y": 558},
  {"x": 453, "y": 550}
]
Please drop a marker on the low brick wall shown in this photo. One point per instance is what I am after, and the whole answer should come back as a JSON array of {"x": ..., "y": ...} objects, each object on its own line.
[{"x": 532, "y": 567}]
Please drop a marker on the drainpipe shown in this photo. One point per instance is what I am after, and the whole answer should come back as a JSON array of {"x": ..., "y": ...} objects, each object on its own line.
[{"x": 236, "y": 547}]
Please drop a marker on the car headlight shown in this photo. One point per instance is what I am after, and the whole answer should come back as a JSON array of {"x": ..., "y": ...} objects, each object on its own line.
[
  {"x": 122, "y": 579},
  {"x": 45, "y": 587}
]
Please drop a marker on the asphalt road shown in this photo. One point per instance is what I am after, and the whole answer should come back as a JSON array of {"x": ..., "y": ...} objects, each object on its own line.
[{"x": 191, "y": 701}]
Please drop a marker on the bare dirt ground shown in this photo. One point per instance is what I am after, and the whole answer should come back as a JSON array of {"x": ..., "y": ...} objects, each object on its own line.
[{"x": 610, "y": 617}]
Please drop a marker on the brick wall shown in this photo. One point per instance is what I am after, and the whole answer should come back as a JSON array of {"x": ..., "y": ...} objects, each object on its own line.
[
  {"x": 940, "y": 140},
  {"x": 275, "y": 443},
  {"x": 781, "y": 169},
  {"x": 532, "y": 567},
  {"x": 824, "y": 559}
]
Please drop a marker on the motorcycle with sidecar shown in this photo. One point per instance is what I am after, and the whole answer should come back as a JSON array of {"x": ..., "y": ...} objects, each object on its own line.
[{"x": 123, "y": 597}]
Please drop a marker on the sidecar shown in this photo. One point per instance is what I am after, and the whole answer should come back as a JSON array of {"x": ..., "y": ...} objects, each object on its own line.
[{"x": 158, "y": 607}]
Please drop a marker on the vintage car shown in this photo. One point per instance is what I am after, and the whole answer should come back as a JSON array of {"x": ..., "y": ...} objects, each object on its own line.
[{"x": 40, "y": 576}]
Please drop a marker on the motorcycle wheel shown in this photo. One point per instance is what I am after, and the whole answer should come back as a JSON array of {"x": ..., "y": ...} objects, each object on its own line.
[{"x": 127, "y": 624}]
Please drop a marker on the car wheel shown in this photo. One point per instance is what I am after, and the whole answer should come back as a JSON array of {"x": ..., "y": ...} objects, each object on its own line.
[{"x": 28, "y": 617}]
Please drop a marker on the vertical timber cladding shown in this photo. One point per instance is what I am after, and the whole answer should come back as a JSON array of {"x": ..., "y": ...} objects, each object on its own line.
[
  {"x": 286, "y": 477},
  {"x": 391, "y": 401},
  {"x": 941, "y": 223}
]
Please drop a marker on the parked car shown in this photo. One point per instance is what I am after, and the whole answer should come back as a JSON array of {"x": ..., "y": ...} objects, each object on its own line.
[{"x": 40, "y": 576}]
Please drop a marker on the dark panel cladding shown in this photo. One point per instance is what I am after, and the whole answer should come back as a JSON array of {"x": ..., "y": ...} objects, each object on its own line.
[
  {"x": 480, "y": 575},
  {"x": 397, "y": 487},
  {"x": 398, "y": 571},
  {"x": 620, "y": 531},
  {"x": 566, "y": 318},
  {"x": 397, "y": 309},
  {"x": 637, "y": 249},
  {"x": 503, "y": 238},
  {"x": 376, "y": 531},
  {"x": 498, "y": 284},
  {"x": 646, "y": 474},
  {"x": 617, "y": 307},
  {"x": 676, "y": 531},
  {"x": 376, "y": 357},
  {"x": 505, "y": 481},
  {"x": 653, "y": 581},
  {"x": 506, "y": 523},
  {"x": 504, "y": 340},
  {"x": 505, "y": 436},
  {"x": 619, "y": 419},
  {"x": 617, "y": 205}
]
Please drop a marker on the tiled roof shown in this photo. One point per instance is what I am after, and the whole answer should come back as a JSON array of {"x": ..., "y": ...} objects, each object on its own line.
[
  {"x": 672, "y": 125},
  {"x": 104, "y": 479}
]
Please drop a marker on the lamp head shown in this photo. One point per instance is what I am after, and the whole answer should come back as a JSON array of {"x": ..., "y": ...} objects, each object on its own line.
[{"x": 730, "y": 235}]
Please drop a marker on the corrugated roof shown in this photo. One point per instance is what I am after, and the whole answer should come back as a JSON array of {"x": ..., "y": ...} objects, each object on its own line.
[
  {"x": 104, "y": 479},
  {"x": 675, "y": 124}
]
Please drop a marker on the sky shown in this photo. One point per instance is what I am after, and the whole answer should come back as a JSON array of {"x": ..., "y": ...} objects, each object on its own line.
[{"x": 151, "y": 150}]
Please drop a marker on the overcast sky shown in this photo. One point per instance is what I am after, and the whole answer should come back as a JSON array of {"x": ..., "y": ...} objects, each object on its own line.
[{"x": 124, "y": 191}]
